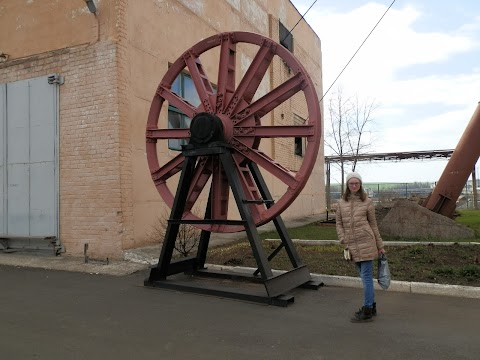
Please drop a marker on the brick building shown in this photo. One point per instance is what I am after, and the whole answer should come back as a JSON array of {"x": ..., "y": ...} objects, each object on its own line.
[{"x": 76, "y": 84}]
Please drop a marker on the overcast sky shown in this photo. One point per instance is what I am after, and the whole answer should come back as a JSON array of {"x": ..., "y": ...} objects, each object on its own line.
[{"x": 421, "y": 65}]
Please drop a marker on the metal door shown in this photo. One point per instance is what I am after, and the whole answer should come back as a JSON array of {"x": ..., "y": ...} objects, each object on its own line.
[
  {"x": 3, "y": 160},
  {"x": 28, "y": 161}
]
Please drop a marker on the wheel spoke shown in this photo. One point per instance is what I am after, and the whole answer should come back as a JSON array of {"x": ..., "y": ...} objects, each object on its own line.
[
  {"x": 200, "y": 79},
  {"x": 274, "y": 98},
  {"x": 200, "y": 177},
  {"x": 261, "y": 159},
  {"x": 177, "y": 101},
  {"x": 252, "y": 78},
  {"x": 162, "y": 174},
  {"x": 250, "y": 190},
  {"x": 168, "y": 134},
  {"x": 226, "y": 71},
  {"x": 220, "y": 192},
  {"x": 274, "y": 131}
]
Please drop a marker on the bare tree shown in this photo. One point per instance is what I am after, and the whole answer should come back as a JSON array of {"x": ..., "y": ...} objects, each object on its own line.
[
  {"x": 350, "y": 131},
  {"x": 187, "y": 238}
]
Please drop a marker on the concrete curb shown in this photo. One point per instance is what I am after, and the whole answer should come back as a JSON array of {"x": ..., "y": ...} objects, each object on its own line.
[
  {"x": 405, "y": 286},
  {"x": 387, "y": 243},
  {"x": 396, "y": 286}
]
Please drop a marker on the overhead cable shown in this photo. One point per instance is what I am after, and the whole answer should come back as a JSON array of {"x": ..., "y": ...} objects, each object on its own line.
[
  {"x": 303, "y": 16},
  {"x": 363, "y": 42}
]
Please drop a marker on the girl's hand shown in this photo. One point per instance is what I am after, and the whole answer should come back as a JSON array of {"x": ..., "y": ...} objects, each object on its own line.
[{"x": 381, "y": 251}]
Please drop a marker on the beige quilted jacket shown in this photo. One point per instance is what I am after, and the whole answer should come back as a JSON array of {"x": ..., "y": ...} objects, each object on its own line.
[{"x": 357, "y": 228}]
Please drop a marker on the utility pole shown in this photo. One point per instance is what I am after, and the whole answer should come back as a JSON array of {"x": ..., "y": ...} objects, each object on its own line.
[{"x": 474, "y": 189}]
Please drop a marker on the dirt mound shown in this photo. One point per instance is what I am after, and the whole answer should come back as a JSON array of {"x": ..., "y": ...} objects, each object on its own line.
[
  {"x": 380, "y": 212},
  {"x": 407, "y": 219}
]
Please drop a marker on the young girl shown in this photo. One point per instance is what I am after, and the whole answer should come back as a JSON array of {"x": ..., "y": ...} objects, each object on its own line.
[{"x": 358, "y": 232}]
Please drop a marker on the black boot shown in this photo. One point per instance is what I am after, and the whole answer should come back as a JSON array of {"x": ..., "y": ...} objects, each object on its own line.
[
  {"x": 374, "y": 310},
  {"x": 363, "y": 315}
]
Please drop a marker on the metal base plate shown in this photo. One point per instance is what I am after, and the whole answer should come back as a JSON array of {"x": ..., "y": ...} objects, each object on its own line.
[{"x": 221, "y": 287}]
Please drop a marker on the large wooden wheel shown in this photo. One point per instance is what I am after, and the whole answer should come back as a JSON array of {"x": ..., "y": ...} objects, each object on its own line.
[{"x": 241, "y": 117}]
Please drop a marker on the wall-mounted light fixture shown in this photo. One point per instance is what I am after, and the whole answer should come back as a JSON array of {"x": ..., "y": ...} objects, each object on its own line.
[{"x": 91, "y": 6}]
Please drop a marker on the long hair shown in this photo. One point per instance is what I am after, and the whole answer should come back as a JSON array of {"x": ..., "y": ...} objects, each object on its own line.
[{"x": 347, "y": 193}]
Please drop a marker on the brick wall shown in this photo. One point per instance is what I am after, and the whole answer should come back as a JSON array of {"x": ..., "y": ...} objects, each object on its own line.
[
  {"x": 90, "y": 171},
  {"x": 124, "y": 130},
  {"x": 295, "y": 111},
  {"x": 90, "y": 174}
]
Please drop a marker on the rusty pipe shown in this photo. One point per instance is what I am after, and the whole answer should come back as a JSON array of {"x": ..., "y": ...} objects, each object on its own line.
[{"x": 443, "y": 199}]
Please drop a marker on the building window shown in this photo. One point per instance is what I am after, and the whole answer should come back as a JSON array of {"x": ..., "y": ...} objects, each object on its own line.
[
  {"x": 299, "y": 145},
  {"x": 286, "y": 37},
  {"x": 184, "y": 87}
]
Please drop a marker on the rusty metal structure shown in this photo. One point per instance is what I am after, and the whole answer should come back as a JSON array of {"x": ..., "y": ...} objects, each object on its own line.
[
  {"x": 449, "y": 187},
  {"x": 385, "y": 157},
  {"x": 223, "y": 158}
]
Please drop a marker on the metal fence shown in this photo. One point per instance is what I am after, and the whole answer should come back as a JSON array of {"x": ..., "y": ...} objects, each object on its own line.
[
  {"x": 467, "y": 201},
  {"x": 384, "y": 193}
]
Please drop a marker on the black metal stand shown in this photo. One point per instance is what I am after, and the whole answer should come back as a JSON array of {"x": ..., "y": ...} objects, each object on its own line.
[{"x": 275, "y": 287}]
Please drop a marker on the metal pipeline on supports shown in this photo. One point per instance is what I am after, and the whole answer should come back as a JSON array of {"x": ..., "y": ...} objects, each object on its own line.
[{"x": 449, "y": 187}]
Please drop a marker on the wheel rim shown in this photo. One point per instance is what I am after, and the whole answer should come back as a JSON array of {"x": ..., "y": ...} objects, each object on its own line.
[{"x": 241, "y": 118}]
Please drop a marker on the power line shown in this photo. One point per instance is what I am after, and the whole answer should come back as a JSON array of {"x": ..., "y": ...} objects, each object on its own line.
[
  {"x": 299, "y": 21},
  {"x": 363, "y": 42}
]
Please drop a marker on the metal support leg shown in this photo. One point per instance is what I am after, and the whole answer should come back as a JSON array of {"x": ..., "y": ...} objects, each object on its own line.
[
  {"x": 161, "y": 271},
  {"x": 204, "y": 237},
  {"x": 279, "y": 224},
  {"x": 250, "y": 228}
]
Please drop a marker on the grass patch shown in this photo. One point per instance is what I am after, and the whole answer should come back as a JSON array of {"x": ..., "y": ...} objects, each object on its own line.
[
  {"x": 470, "y": 218},
  {"x": 442, "y": 264}
]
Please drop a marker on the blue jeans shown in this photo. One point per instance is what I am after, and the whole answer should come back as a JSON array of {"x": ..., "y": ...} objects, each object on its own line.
[{"x": 365, "y": 269}]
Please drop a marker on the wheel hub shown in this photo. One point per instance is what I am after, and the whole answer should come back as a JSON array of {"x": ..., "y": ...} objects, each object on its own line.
[{"x": 205, "y": 128}]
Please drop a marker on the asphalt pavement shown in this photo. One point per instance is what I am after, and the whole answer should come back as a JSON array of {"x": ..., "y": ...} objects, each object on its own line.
[
  {"x": 65, "y": 308},
  {"x": 50, "y": 314}
]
